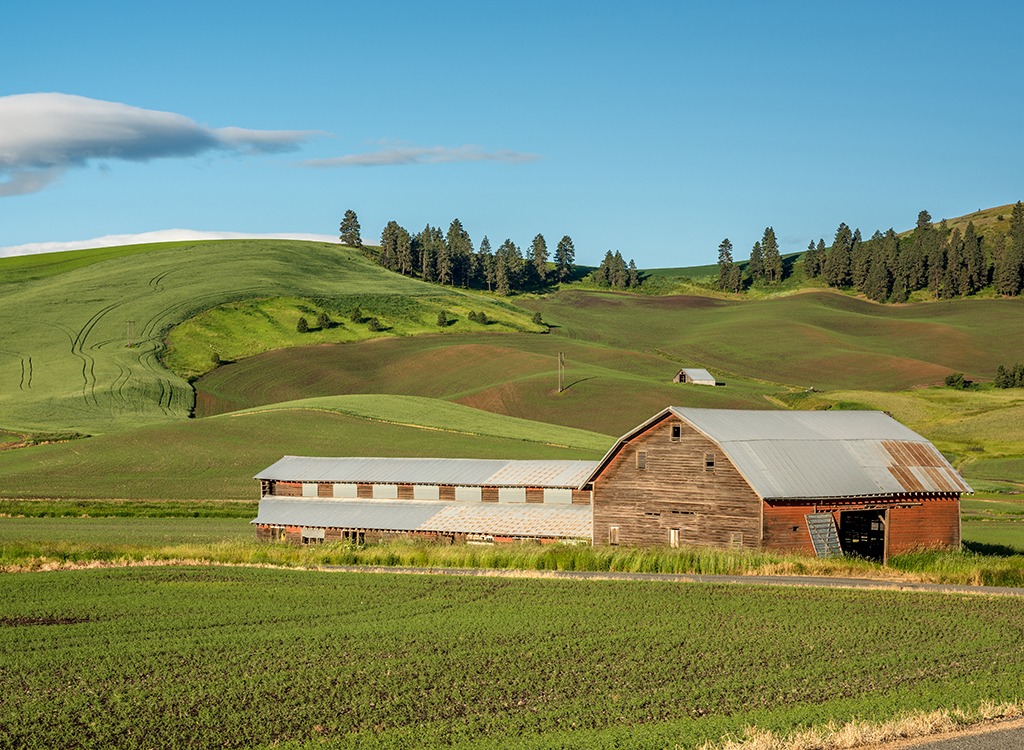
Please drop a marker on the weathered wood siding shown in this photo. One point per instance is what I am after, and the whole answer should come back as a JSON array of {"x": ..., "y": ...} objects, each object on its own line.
[
  {"x": 675, "y": 491},
  {"x": 785, "y": 528},
  {"x": 934, "y": 523},
  {"x": 288, "y": 489},
  {"x": 913, "y": 522}
]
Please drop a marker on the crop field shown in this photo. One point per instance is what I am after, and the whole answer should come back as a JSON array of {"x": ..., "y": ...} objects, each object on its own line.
[
  {"x": 514, "y": 375},
  {"x": 124, "y": 532},
  {"x": 820, "y": 339},
  {"x": 233, "y": 657},
  {"x": 83, "y": 334},
  {"x": 216, "y": 458}
]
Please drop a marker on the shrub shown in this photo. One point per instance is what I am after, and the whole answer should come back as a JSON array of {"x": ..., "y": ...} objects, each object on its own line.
[
  {"x": 355, "y": 315},
  {"x": 374, "y": 325},
  {"x": 323, "y": 320},
  {"x": 537, "y": 319},
  {"x": 957, "y": 380},
  {"x": 215, "y": 359},
  {"x": 302, "y": 326},
  {"x": 442, "y": 319}
]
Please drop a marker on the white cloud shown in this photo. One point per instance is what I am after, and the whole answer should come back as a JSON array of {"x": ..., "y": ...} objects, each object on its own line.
[
  {"x": 163, "y": 235},
  {"x": 418, "y": 155},
  {"x": 42, "y": 135}
]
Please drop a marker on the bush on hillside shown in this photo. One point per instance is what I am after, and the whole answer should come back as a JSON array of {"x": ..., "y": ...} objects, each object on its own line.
[
  {"x": 957, "y": 380},
  {"x": 323, "y": 320},
  {"x": 374, "y": 325},
  {"x": 302, "y": 326}
]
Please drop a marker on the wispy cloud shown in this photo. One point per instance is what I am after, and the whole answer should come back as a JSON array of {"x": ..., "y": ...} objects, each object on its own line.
[
  {"x": 163, "y": 235},
  {"x": 418, "y": 155},
  {"x": 43, "y": 135}
]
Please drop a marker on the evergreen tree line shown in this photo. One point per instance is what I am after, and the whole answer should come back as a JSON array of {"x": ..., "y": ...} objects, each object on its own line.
[
  {"x": 614, "y": 272},
  {"x": 947, "y": 262},
  {"x": 449, "y": 258},
  {"x": 1009, "y": 377}
]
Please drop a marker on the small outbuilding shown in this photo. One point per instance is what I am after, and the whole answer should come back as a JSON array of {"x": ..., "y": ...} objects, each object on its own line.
[{"x": 695, "y": 376}]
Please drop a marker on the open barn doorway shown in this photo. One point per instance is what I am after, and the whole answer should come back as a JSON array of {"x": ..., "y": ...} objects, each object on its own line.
[{"x": 862, "y": 533}]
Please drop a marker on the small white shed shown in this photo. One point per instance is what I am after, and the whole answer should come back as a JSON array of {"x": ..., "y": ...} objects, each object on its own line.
[{"x": 694, "y": 375}]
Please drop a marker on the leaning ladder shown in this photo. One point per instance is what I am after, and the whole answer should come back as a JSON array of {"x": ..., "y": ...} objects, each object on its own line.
[{"x": 824, "y": 534}]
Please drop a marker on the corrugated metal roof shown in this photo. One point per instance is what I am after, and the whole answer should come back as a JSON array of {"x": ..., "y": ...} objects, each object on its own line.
[
  {"x": 813, "y": 454},
  {"x": 696, "y": 373},
  {"x": 520, "y": 520},
  {"x": 455, "y": 471}
]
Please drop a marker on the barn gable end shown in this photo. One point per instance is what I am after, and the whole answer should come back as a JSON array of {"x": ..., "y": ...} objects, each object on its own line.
[{"x": 660, "y": 480}]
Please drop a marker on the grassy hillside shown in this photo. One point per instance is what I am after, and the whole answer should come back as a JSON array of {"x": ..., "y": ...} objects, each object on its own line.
[
  {"x": 820, "y": 339},
  {"x": 216, "y": 458},
  {"x": 81, "y": 333},
  {"x": 609, "y": 389}
]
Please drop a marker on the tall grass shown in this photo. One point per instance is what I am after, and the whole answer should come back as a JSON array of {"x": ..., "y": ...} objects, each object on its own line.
[{"x": 965, "y": 568}]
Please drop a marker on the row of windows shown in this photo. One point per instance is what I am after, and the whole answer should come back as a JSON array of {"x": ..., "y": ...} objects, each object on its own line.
[
  {"x": 341, "y": 490},
  {"x": 641, "y": 461}
]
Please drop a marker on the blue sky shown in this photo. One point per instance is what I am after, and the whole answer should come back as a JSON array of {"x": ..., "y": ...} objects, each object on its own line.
[{"x": 653, "y": 128}]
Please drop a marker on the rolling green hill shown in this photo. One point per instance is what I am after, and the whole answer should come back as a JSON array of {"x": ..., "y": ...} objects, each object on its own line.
[
  {"x": 85, "y": 337},
  {"x": 82, "y": 333}
]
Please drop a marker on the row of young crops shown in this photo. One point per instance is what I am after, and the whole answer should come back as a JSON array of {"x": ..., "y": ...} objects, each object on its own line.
[{"x": 238, "y": 657}]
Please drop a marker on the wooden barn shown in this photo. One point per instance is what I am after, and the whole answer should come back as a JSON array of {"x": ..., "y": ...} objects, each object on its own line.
[
  {"x": 820, "y": 482},
  {"x": 695, "y": 376},
  {"x": 311, "y": 500}
]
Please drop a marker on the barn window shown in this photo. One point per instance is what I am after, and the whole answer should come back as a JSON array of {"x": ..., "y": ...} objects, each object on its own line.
[
  {"x": 641, "y": 460},
  {"x": 709, "y": 462},
  {"x": 736, "y": 539},
  {"x": 673, "y": 537},
  {"x": 677, "y": 431},
  {"x": 613, "y": 535}
]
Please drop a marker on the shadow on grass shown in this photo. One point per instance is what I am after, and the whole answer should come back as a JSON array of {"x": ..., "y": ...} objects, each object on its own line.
[{"x": 993, "y": 550}]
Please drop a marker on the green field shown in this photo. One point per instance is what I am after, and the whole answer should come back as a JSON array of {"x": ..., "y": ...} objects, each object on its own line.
[
  {"x": 233, "y": 657},
  {"x": 216, "y": 458},
  {"x": 83, "y": 333}
]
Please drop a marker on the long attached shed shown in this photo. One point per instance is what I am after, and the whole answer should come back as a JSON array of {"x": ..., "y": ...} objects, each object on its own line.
[
  {"x": 819, "y": 482},
  {"x": 308, "y": 500}
]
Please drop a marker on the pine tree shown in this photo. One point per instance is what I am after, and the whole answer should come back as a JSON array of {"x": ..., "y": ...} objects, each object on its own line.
[
  {"x": 460, "y": 251},
  {"x": 728, "y": 272},
  {"x": 633, "y": 275},
  {"x": 603, "y": 275},
  {"x": 565, "y": 258},
  {"x": 755, "y": 266},
  {"x": 771, "y": 258},
  {"x": 508, "y": 268},
  {"x": 350, "y": 230},
  {"x": 861, "y": 255},
  {"x": 812, "y": 261},
  {"x": 618, "y": 274},
  {"x": 1009, "y": 273},
  {"x": 404, "y": 253},
  {"x": 485, "y": 262},
  {"x": 878, "y": 282},
  {"x": 937, "y": 248},
  {"x": 539, "y": 253},
  {"x": 389, "y": 245},
  {"x": 836, "y": 270},
  {"x": 974, "y": 257},
  {"x": 1004, "y": 378}
]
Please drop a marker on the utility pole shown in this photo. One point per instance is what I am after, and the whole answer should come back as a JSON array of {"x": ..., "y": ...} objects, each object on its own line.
[
  {"x": 130, "y": 331},
  {"x": 561, "y": 371}
]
